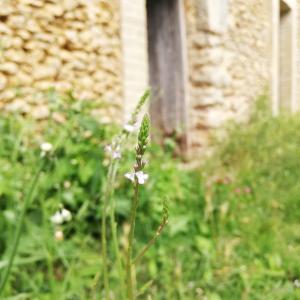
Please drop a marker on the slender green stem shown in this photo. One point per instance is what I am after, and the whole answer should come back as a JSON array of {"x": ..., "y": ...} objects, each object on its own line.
[
  {"x": 113, "y": 225},
  {"x": 151, "y": 242},
  {"x": 103, "y": 231},
  {"x": 130, "y": 288},
  {"x": 17, "y": 237}
]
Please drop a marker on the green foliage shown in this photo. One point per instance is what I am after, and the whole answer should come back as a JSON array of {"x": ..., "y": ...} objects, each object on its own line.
[{"x": 233, "y": 230}]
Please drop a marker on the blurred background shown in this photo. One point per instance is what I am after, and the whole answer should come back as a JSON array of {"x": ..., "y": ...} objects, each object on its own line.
[{"x": 224, "y": 76}]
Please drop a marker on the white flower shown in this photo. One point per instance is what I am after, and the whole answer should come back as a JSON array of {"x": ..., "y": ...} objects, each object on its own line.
[
  {"x": 140, "y": 175},
  {"x": 66, "y": 215},
  {"x": 130, "y": 176},
  {"x": 130, "y": 128},
  {"x": 297, "y": 283},
  {"x": 61, "y": 216},
  {"x": 46, "y": 147},
  {"x": 57, "y": 218},
  {"x": 116, "y": 155},
  {"x": 59, "y": 235}
]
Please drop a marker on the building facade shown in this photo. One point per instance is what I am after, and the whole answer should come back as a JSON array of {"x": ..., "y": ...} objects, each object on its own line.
[{"x": 207, "y": 61}]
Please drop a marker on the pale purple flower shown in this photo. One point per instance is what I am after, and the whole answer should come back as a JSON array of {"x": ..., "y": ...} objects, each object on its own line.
[
  {"x": 115, "y": 153},
  {"x": 140, "y": 175}
]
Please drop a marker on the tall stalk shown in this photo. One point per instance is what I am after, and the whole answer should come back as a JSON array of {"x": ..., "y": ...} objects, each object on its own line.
[
  {"x": 129, "y": 273},
  {"x": 137, "y": 177},
  {"x": 17, "y": 236},
  {"x": 108, "y": 204}
]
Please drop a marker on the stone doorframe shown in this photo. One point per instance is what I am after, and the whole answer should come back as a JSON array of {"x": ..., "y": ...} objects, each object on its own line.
[
  {"x": 134, "y": 52},
  {"x": 292, "y": 4}
]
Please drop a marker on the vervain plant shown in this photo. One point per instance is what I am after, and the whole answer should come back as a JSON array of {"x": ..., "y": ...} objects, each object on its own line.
[
  {"x": 138, "y": 177},
  {"x": 115, "y": 150},
  {"x": 46, "y": 149}
]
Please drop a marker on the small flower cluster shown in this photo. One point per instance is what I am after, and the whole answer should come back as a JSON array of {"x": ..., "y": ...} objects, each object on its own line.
[
  {"x": 61, "y": 216},
  {"x": 46, "y": 149},
  {"x": 138, "y": 175}
]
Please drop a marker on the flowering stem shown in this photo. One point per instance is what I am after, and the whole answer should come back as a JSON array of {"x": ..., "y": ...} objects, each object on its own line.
[
  {"x": 17, "y": 237},
  {"x": 113, "y": 225},
  {"x": 130, "y": 289},
  {"x": 152, "y": 241},
  {"x": 103, "y": 232}
]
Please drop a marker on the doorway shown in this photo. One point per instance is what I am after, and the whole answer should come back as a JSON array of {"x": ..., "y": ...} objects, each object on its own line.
[{"x": 167, "y": 75}]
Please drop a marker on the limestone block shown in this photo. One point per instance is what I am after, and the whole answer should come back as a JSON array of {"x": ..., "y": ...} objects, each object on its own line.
[
  {"x": 40, "y": 112},
  {"x": 64, "y": 55},
  {"x": 24, "y": 79},
  {"x": 45, "y": 37},
  {"x": 77, "y": 65},
  {"x": 54, "y": 9},
  {"x": 208, "y": 56},
  {"x": 5, "y": 29},
  {"x": 18, "y": 106},
  {"x": 63, "y": 86},
  {"x": 77, "y": 25},
  {"x": 53, "y": 62},
  {"x": 24, "y": 34},
  {"x": 69, "y": 5},
  {"x": 34, "y": 57},
  {"x": 72, "y": 36},
  {"x": 33, "y": 26},
  {"x": 16, "y": 22},
  {"x": 218, "y": 77},
  {"x": 60, "y": 41},
  {"x": 34, "y": 3},
  {"x": 65, "y": 72},
  {"x": 16, "y": 56},
  {"x": 6, "y": 10},
  {"x": 35, "y": 44},
  {"x": 86, "y": 82},
  {"x": 44, "y": 72},
  {"x": 3, "y": 81},
  {"x": 9, "y": 68},
  {"x": 54, "y": 50},
  {"x": 7, "y": 94},
  {"x": 206, "y": 97},
  {"x": 43, "y": 85}
]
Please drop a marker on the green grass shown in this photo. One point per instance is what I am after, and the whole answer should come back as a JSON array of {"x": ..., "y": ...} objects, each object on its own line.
[{"x": 234, "y": 230}]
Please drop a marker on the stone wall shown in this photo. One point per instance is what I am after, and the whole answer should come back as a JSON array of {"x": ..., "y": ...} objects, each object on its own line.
[
  {"x": 249, "y": 51},
  {"x": 134, "y": 51},
  {"x": 229, "y": 56},
  {"x": 64, "y": 44}
]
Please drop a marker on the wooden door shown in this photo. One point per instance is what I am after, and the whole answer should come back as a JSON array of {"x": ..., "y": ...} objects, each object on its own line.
[{"x": 166, "y": 66}]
